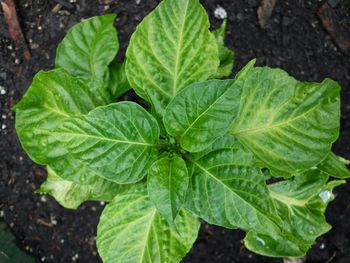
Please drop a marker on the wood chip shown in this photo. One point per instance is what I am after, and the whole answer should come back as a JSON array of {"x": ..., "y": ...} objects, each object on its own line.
[{"x": 265, "y": 11}]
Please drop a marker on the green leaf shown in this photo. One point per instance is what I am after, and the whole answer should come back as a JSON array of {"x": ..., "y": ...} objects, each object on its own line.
[
  {"x": 202, "y": 112},
  {"x": 54, "y": 96},
  {"x": 167, "y": 183},
  {"x": 301, "y": 203},
  {"x": 168, "y": 52},
  {"x": 71, "y": 195},
  {"x": 289, "y": 125},
  {"x": 118, "y": 82},
  {"x": 132, "y": 231},
  {"x": 118, "y": 141},
  {"x": 335, "y": 166},
  {"x": 227, "y": 189},
  {"x": 89, "y": 47},
  {"x": 226, "y": 55}
]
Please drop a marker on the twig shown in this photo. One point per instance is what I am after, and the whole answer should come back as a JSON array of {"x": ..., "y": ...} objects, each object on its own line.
[{"x": 10, "y": 15}]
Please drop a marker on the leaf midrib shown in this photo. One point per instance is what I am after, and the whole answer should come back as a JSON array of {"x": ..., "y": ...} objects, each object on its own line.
[
  {"x": 243, "y": 133},
  {"x": 229, "y": 189},
  {"x": 104, "y": 138},
  {"x": 178, "y": 49}
]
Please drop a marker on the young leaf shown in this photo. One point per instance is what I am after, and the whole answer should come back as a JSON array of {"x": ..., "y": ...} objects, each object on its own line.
[
  {"x": 89, "y": 47},
  {"x": 226, "y": 55},
  {"x": 301, "y": 203},
  {"x": 117, "y": 141},
  {"x": 335, "y": 166},
  {"x": 132, "y": 231},
  {"x": 168, "y": 52},
  {"x": 118, "y": 81},
  {"x": 227, "y": 189},
  {"x": 71, "y": 195},
  {"x": 202, "y": 112},
  {"x": 54, "y": 96},
  {"x": 289, "y": 125},
  {"x": 167, "y": 184}
]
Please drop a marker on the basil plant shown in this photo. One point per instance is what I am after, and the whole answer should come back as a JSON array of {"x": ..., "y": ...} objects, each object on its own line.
[{"x": 252, "y": 152}]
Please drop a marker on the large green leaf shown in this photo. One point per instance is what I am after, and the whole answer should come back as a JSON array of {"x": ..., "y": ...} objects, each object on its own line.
[
  {"x": 167, "y": 183},
  {"x": 54, "y": 96},
  {"x": 89, "y": 47},
  {"x": 226, "y": 55},
  {"x": 118, "y": 141},
  {"x": 132, "y": 231},
  {"x": 289, "y": 125},
  {"x": 227, "y": 189},
  {"x": 202, "y": 112},
  {"x": 170, "y": 49},
  {"x": 335, "y": 166},
  {"x": 71, "y": 195},
  {"x": 301, "y": 203}
]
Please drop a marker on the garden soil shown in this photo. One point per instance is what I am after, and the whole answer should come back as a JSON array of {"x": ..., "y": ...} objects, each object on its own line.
[{"x": 293, "y": 39}]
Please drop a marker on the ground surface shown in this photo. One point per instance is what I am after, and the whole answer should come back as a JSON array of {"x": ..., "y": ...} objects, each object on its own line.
[{"x": 294, "y": 40}]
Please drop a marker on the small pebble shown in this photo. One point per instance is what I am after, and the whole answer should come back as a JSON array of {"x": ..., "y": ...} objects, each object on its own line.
[
  {"x": 1, "y": 213},
  {"x": 40, "y": 27},
  {"x": 138, "y": 2},
  {"x": 322, "y": 246},
  {"x": 10, "y": 47},
  {"x": 220, "y": 13},
  {"x": 43, "y": 259},
  {"x": 17, "y": 61},
  {"x": 102, "y": 203},
  {"x": 3, "y": 116},
  {"x": 3, "y": 126},
  {"x": 2, "y": 90},
  {"x": 43, "y": 199}
]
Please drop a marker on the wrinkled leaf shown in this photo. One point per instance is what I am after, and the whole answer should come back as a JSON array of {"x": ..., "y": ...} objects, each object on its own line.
[
  {"x": 167, "y": 184},
  {"x": 289, "y": 125},
  {"x": 71, "y": 195},
  {"x": 132, "y": 231},
  {"x": 168, "y": 52},
  {"x": 301, "y": 203},
  {"x": 226, "y": 55},
  {"x": 54, "y": 96},
  {"x": 227, "y": 189},
  {"x": 89, "y": 47},
  {"x": 202, "y": 112},
  {"x": 335, "y": 166},
  {"x": 118, "y": 141}
]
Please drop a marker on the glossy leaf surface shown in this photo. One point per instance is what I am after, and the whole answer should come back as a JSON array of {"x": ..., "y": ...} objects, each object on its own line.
[
  {"x": 227, "y": 189},
  {"x": 118, "y": 141},
  {"x": 168, "y": 52},
  {"x": 289, "y": 125},
  {"x": 132, "y": 231},
  {"x": 53, "y": 97},
  {"x": 202, "y": 112},
  {"x": 89, "y": 47},
  {"x": 335, "y": 166},
  {"x": 167, "y": 184},
  {"x": 301, "y": 203},
  {"x": 71, "y": 195}
]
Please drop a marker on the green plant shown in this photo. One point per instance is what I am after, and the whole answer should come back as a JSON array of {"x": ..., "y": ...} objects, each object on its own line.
[{"x": 205, "y": 149}]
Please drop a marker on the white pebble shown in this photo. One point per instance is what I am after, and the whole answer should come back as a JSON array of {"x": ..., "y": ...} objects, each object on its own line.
[
  {"x": 2, "y": 90},
  {"x": 10, "y": 47},
  {"x": 40, "y": 27},
  {"x": 3, "y": 127},
  {"x": 3, "y": 116},
  {"x": 17, "y": 61},
  {"x": 1, "y": 213},
  {"x": 220, "y": 13},
  {"x": 138, "y": 2},
  {"x": 102, "y": 203}
]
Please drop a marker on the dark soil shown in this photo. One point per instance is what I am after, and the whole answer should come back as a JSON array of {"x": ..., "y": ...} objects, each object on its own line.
[{"x": 293, "y": 39}]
